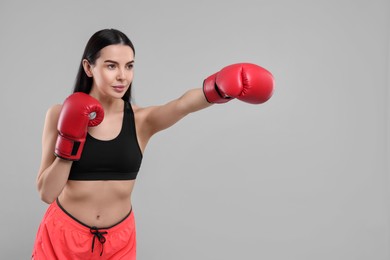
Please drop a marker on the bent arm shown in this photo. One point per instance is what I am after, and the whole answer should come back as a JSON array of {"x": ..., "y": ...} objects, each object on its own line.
[
  {"x": 53, "y": 173},
  {"x": 161, "y": 117}
]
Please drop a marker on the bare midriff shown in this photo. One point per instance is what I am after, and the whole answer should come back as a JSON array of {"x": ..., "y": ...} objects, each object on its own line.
[{"x": 97, "y": 203}]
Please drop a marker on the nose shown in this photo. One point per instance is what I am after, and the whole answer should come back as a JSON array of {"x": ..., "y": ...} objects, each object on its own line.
[{"x": 121, "y": 74}]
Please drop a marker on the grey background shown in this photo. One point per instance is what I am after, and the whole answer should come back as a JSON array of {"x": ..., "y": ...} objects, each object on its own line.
[{"x": 304, "y": 176}]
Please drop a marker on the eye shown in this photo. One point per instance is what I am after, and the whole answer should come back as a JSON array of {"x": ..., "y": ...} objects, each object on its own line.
[
  {"x": 111, "y": 66},
  {"x": 130, "y": 66}
]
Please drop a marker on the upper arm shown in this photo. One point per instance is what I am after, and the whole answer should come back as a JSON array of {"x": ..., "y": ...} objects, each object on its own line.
[
  {"x": 49, "y": 137},
  {"x": 161, "y": 117},
  {"x": 158, "y": 118}
]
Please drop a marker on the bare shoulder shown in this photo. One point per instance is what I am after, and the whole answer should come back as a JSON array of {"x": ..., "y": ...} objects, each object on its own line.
[
  {"x": 53, "y": 112},
  {"x": 55, "y": 109},
  {"x": 141, "y": 113},
  {"x": 141, "y": 116},
  {"x": 136, "y": 108},
  {"x": 52, "y": 116},
  {"x": 144, "y": 132}
]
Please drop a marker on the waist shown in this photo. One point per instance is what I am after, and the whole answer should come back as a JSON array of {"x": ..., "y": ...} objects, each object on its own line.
[
  {"x": 65, "y": 214},
  {"x": 97, "y": 203}
]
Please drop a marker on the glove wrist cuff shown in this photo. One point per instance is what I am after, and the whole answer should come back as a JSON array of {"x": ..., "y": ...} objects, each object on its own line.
[
  {"x": 68, "y": 149},
  {"x": 211, "y": 92}
]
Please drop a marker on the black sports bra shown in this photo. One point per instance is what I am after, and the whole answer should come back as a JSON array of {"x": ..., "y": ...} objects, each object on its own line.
[{"x": 116, "y": 159}]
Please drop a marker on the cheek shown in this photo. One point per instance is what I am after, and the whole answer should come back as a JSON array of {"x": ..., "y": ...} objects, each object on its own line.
[
  {"x": 108, "y": 76},
  {"x": 130, "y": 75},
  {"x": 104, "y": 77}
]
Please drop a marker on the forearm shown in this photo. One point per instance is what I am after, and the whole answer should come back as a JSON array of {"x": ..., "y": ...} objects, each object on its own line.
[
  {"x": 53, "y": 179},
  {"x": 193, "y": 100}
]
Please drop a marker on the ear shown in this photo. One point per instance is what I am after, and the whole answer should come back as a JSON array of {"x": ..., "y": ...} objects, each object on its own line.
[{"x": 87, "y": 68}]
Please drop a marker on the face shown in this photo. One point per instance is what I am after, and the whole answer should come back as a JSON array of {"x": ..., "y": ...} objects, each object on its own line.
[{"x": 112, "y": 72}]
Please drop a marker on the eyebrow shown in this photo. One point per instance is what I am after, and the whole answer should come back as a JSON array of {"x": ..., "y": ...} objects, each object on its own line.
[{"x": 111, "y": 61}]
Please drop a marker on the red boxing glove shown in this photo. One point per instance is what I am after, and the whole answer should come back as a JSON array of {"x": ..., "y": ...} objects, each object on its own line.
[
  {"x": 78, "y": 112},
  {"x": 245, "y": 81}
]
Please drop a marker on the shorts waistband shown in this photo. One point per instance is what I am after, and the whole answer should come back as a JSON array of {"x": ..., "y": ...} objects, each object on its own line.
[{"x": 67, "y": 216}]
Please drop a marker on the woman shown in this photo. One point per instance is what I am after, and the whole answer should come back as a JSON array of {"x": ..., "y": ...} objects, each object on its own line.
[{"x": 92, "y": 148}]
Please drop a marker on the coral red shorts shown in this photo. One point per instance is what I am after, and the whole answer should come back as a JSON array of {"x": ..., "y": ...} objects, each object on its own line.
[{"x": 61, "y": 236}]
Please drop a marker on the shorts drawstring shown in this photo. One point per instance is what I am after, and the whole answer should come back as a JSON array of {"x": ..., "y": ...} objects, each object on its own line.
[{"x": 99, "y": 235}]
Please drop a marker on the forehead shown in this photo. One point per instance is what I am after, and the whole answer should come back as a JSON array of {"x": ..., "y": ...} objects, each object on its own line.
[{"x": 118, "y": 52}]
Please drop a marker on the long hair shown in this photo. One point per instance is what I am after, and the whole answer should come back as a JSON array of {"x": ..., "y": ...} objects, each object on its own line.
[{"x": 98, "y": 41}]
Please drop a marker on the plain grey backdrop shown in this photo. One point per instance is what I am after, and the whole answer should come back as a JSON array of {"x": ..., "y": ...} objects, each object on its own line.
[{"x": 304, "y": 176}]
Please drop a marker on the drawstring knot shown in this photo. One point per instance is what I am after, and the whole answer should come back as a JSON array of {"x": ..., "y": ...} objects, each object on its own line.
[{"x": 99, "y": 235}]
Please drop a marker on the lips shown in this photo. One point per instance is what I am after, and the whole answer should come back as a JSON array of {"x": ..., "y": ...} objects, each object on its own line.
[{"x": 119, "y": 88}]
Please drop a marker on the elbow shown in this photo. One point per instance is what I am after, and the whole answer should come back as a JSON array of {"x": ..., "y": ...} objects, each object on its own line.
[
  {"x": 47, "y": 198},
  {"x": 44, "y": 195}
]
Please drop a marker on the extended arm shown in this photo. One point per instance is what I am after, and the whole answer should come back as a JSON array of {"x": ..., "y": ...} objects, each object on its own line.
[
  {"x": 158, "y": 118},
  {"x": 247, "y": 82}
]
